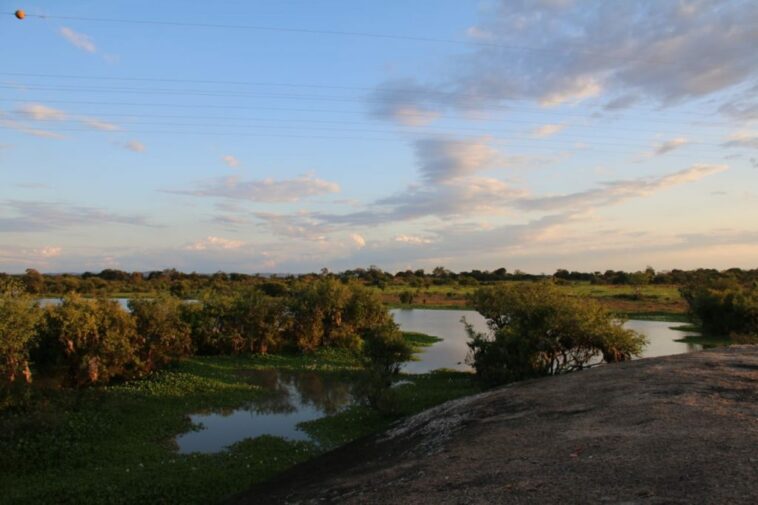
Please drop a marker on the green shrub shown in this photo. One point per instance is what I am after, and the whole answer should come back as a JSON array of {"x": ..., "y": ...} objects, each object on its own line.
[
  {"x": 535, "y": 330},
  {"x": 164, "y": 336},
  {"x": 19, "y": 315},
  {"x": 208, "y": 322},
  {"x": 724, "y": 309},
  {"x": 406, "y": 297},
  {"x": 94, "y": 340},
  {"x": 256, "y": 322},
  {"x": 329, "y": 313},
  {"x": 383, "y": 352}
]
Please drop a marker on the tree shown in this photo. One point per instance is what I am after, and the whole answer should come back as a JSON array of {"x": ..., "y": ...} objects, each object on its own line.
[
  {"x": 257, "y": 322},
  {"x": 406, "y": 297},
  {"x": 535, "y": 330},
  {"x": 723, "y": 308},
  {"x": 637, "y": 280},
  {"x": 163, "y": 336},
  {"x": 208, "y": 319},
  {"x": 384, "y": 351},
  {"x": 94, "y": 340},
  {"x": 19, "y": 315},
  {"x": 34, "y": 281}
]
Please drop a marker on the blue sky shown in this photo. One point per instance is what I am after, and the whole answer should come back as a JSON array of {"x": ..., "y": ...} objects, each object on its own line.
[{"x": 285, "y": 136}]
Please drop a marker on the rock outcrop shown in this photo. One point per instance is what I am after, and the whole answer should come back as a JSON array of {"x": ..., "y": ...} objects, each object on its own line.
[{"x": 678, "y": 429}]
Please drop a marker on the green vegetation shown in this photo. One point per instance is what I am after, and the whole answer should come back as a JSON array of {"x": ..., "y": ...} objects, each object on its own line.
[
  {"x": 94, "y": 341},
  {"x": 419, "y": 340},
  {"x": 384, "y": 352},
  {"x": 18, "y": 325},
  {"x": 83, "y": 342},
  {"x": 538, "y": 331},
  {"x": 113, "y": 387},
  {"x": 625, "y": 293},
  {"x": 725, "y": 308},
  {"x": 114, "y": 444}
]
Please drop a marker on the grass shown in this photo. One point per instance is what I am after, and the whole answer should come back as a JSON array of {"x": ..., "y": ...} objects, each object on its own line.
[
  {"x": 419, "y": 340},
  {"x": 653, "y": 301},
  {"x": 687, "y": 328},
  {"x": 643, "y": 302},
  {"x": 706, "y": 341},
  {"x": 656, "y": 316},
  {"x": 114, "y": 444}
]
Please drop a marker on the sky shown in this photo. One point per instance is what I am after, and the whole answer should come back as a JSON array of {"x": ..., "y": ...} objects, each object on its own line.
[{"x": 287, "y": 136}]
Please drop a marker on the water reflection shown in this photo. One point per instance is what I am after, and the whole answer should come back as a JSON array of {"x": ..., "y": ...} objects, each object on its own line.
[
  {"x": 451, "y": 352},
  {"x": 290, "y": 398},
  {"x": 44, "y": 302}
]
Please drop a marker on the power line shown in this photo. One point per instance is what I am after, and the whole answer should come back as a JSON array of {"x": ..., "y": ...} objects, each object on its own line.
[
  {"x": 565, "y": 49},
  {"x": 306, "y": 31},
  {"x": 565, "y": 139},
  {"x": 579, "y": 144},
  {"x": 368, "y": 89},
  {"x": 137, "y": 116},
  {"x": 208, "y": 92},
  {"x": 100, "y": 114},
  {"x": 275, "y": 96}
]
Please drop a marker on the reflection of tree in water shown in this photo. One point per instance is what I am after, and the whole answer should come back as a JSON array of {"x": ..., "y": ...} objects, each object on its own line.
[{"x": 287, "y": 391}]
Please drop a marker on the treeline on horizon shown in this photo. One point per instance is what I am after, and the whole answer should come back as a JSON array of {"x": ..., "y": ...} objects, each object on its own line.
[{"x": 186, "y": 285}]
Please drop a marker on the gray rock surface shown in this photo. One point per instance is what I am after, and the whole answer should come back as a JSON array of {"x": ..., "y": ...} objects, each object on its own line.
[{"x": 678, "y": 429}]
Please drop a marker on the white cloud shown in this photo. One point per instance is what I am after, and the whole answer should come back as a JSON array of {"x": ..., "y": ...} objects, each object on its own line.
[
  {"x": 49, "y": 252},
  {"x": 40, "y": 112},
  {"x": 38, "y": 216},
  {"x": 301, "y": 225},
  {"x": 631, "y": 51},
  {"x": 414, "y": 116},
  {"x": 135, "y": 146},
  {"x": 443, "y": 159},
  {"x": 217, "y": 243},
  {"x": 617, "y": 191},
  {"x": 99, "y": 125},
  {"x": 80, "y": 40},
  {"x": 548, "y": 130},
  {"x": 405, "y": 102},
  {"x": 263, "y": 190},
  {"x": 573, "y": 91},
  {"x": 743, "y": 139},
  {"x": 358, "y": 240},
  {"x": 19, "y": 126},
  {"x": 230, "y": 161},
  {"x": 667, "y": 146},
  {"x": 412, "y": 239},
  {"x": 476, "y": 33}
]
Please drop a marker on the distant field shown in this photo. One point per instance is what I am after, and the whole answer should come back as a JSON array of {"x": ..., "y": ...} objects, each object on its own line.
[{"x": 649, "y": 301}]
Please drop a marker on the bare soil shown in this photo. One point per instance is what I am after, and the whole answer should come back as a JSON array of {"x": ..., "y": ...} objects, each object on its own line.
[{"x": 678, "y": 429}]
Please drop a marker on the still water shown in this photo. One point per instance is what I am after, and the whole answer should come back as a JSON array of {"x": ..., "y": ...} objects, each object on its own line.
[
  {"x": 290, "y": 398},
  {"x": 295, "y": 397},
  {"x": 451, "y": 352},
  {"x": 124, "y": 302}
]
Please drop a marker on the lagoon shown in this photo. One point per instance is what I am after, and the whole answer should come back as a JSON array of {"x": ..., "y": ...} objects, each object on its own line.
[
  {"x": 293, "y": 398},
  {"x": 452, "y": 350}
]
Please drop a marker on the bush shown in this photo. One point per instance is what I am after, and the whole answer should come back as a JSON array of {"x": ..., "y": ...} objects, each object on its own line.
[
  {"x": 256, "y": 322},
  {"x": 208, "y": 322},
  {"x": 329, "y": 313},
  {"x": 724, "y": 309},
  {"x": 19, "y": 315},
  {"x": 384, "y": 350},
  {"x": 164, "y": 336},
  {"x": 536, "y": 331},
  {"x": 406, "y": 297},
  {"x": 94, "y": 340}
]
